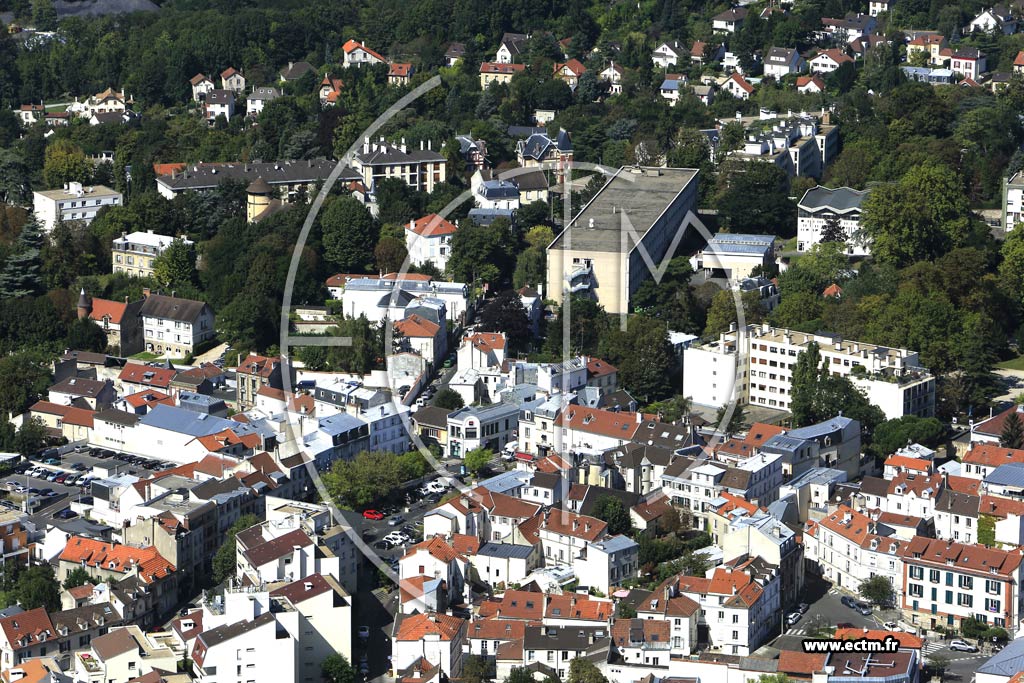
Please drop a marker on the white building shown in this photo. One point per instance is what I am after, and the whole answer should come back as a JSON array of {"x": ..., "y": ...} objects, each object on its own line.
[
  {"x": 121, "y": 655},
  {"x": 782, "y": 61},
  {"x": 436, "y": 638},
  {"x": 357, "y": 54},
  {"x": 73, "y": 203},
  {"x": 848, "y": 548},
  {"x": 380, "y": 298},
  {"x": 473, "y": 427},
  {"x": 259, "y": 98},
  {"x": 219, "y": 103},
  {"x": 765, "y": 357},
  {"x": 1013, "y": 200},
  {"x": 175, "y": 326},
  {"x": 251, "y": 647},
  {"x": 669, "y": 53},
  {"x": 135, "y": 253},
  {"x": 428, "y": 240},
  {"x": 819, "y": 205},
  {"x": 735, "y": 256},
  {"x": 608, "y": 562}
]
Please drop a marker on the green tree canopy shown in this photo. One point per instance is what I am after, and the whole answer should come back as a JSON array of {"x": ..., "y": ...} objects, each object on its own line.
[
  {"x": 349, "y": 233},
  {"x": 449, "y": 399},
  {"x": 176, "y": 266},
  {"x": 878, "y": 589},
  {"x": 478, "y": 459},
  {"x": 610, "y": 509},
  {"x": 225, "y": 560}
]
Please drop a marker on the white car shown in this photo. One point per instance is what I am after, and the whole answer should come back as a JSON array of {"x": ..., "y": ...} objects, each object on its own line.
[
  {"x": 892, "y": 626},
  {"x": 962, "y": 646},
  {"x": 437, "y": 486}
]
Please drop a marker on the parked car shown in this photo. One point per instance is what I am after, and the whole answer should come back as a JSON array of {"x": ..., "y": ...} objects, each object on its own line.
[
  {"x": 848, "y": 601},
  {"x": 60, "y": 478},
  {"x": 384, "y": 544},
  {"x": 793, "y": 618},
  {"x": 364, "y": 632},
  {"x": 891, "y": 626},
  {"x": 53, "y": 476},
  {"x": 375, "y": 515},
  {"x": 864, "y": 609},
  {"x": 802, "y": 608},
  {"x": 396, "y": 520}
]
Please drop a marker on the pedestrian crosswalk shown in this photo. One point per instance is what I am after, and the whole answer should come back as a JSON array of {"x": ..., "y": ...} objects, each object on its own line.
[
  {"x": 931, "y": 647},
  {"x": 796, "y": 632}
]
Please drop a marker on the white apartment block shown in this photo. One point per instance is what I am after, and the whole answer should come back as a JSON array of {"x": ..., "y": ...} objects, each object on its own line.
[
  {"x": 891, "y": 378},
  {"x": 249, "y": 651},
  {"x": 74, "y": 202},
  {"x": 475, "y": 427},
  {"x": 135, "y": 253},
  {"x": 849, "y": 548},
  {"x": 607, "y": 563},
  {"x": 175, "y": 326},
  {"x": 429, "y": 240},
  {"x": 820, "y": 205}
]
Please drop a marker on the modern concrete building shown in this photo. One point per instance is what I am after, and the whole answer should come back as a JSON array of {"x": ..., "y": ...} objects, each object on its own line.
[
  {"x": 735, "y": 256},
  {"x": 819, "y": 205},
  {"x": 601, "y": 253},
  {"x": 74, "y": 202}
]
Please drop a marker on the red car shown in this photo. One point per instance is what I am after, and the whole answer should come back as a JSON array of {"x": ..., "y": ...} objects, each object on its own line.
[{"x": 375, "y": 515}]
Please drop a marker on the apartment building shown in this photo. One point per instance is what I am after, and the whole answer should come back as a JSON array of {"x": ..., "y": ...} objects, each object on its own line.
[
  {"x": 819, "y": 206},
  {"x": 948, "y": 582},
  {"x": 847, "y": 548},
  {"x": 756, "y": 368},
  {"x": 428, "y": 240},
  {"x": 801, "y": 145},
  {"x": 436, "y": 638},
  {"x": 124, "y": 654},
  {"x": 421, "y": 169},
  {"x": 1013, "y": 200},
  {"x": 74, "y": 202},
  {"x": 249, "y": 650},
  {"x": 291, "y": 179},
  {"x": 475, "y": 427},
  {"x": 135, "y": 253},
  {"x": 255, "y": 372}
]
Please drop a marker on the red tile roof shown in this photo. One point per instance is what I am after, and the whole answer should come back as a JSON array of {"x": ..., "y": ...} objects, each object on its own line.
[
  {"x": 416, "y": 326},
  {"x": 598, "y": 368},
  {"x": 741, "y": 82},
  {"x": 905, "y": 639},
  {"x": 353, "y": 45},
  {"x": 432, "y": 225},
  {"x": 400, "y": 69},
  {"x": 227, "y": 438},
  {"x": 976, "y": 558},
  {"x": 228, "y": 72},
  {"x": 992, "y": 455},
  {"x": 833, "y": 290},
  {"x": 68, "y": 414},
  {"x": 836, "y": 55},
  {"x": 33, "y": 624},
  {"x": 796, "y": 662},
  {"x": 150, "y": 375},
  {"x": 148, "y": 398},
  {"x": 103, "y": 308},
  {"x": 263, "y": 366},
  {"x": 419, "y": 626},
  {"x": 496, "y": 68},
  {"x": 905, "y": 462},
  {"x": 573, "y": 66},
  {"x": 487, "y": 341},
  {"x": 594, "y": 420},
  {"x": 118, "y": 557}
]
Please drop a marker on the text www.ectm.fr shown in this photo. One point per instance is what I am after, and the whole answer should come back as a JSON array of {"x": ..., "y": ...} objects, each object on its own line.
[{"x": 888, "y": 644}]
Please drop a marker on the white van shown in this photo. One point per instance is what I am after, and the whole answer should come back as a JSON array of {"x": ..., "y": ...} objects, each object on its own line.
[{"x": 509, "y": 451}]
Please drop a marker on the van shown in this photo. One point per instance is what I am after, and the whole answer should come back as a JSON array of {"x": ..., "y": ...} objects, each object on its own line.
[{"x": 509, "y": 451}]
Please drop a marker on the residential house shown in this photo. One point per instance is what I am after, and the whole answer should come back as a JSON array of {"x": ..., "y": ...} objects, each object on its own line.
[
  {"x": 233, "y": 80},
  {"x": 296, "y": 70},
  {"x": 612, "y": 75},
  {"x": 671, "y": 87},
  {"x": 782, "y": 61},
  {"x": 997, "y": 18},
  {"x": 325, "y": 624},
  {"x": 120, "y": 321},
  {"x": 827, "y": 61},
  {"x": 26, "y": 635},
  {"x": 539, "y": 149},
  {"x": 607, "y": 562},
  {"x": 442, "y": 558},
  {"x": 421, "y": 336},
  {"x": 730, "y": 20},
  {"x": 260, "y": 647},
  {"x": 175, "y": 326},
  {"x": 124, "y": 654},
  {"x": 82, "y": 392},
  {"x": 847, "y": 29},
  {"x": 219, "y": 103},
  {"x": 330, "y": 90},
  {"x": 511, "y": 48},
  {"x": 569, "y": 72},
  {"x": 201, "y": 87},
  {"x": 256, "y": 371},
  {"x": 848, "y": 547},
  {"x": 498, "y": 72},
  {"x": 876, "y": 7},
  {"x": 437, "y": 638},
  {"x": 704, "y": 53},
  {"x": 932, "y": 45},
  {"x": 454, "y": 53},
  {"x": 357, "y": 54},
  {"x": 30, "y": 114},
  {"x": 400, "y": 73},
  {"x": 259, "y": 98},
  {"x": 968, "y": 61},
  {"x": 738, "y": 87},
  {"x": 668, "y": 54}
]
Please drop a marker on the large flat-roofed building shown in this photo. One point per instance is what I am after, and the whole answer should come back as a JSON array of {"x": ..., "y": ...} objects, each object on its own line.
[
  {"x": 756, "y": 367},
  {"x": 75, "y": 202},
  {"x": 596, "y": 256}
]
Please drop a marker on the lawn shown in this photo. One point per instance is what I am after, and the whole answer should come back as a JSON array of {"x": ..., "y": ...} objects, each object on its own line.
[{"x": 1012, "y": 364}]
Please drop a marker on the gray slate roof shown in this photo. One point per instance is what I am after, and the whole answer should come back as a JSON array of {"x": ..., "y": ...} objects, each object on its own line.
[
  {"x": 840, "y": 200},
  {"x": 172, "y": 308}
]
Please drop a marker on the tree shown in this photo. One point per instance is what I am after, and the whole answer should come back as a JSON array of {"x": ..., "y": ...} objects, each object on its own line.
[
  {"x": 348, "y": 232},
  {"x": 806, "y": 376},
  {"x": 336, "y": 669},
  {"x": 644, "y": 357},
  {"x": 85, "y": 335},
  {"x": 478, "y": 459},
  {"x": 505, "y": 313},
  {"x": 832, "y": 230},
  {"x": 38, "y": 587},
  {"x": 449, "y": 399},
  {"x": 225, "y": 560},
  {"x": 878, "y": 589},
  {"x": 477, "y": 669},
  {"x": 44, "y": 15},
  {"x": 65, "y": 163},
  {"x": 584, "y": 671},
  {"x": 722, "y": 314},
  {"x": 1012, "y": 435},
  {"x": 389, "y": 254},
  {"x": 919, "y": 218},
  {"x": 77, "y": 577},
  {"x": 739, "y": 416},
  {"x": 670, "y": 410},
  {"x": 30, "y": 437},
  {"x": 610, "y": 509},
  {"x": 894, "y": 434},
  {"x": 482, "y": 253},
  {"x": 365, "y": 479},
  {"x": 938, "y": 665},
  {"x": 987, "y": 530},
  {"x": 24, "y": 377},
  {"x": 176, "y": 266},
  {"x": 773, "y": 678},
  {"x": 755, "y": 199},
  {"x": 20, "y": 276}
]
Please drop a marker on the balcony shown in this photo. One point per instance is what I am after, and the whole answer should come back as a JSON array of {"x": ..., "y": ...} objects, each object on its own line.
[{"x": 580, "y": 278}]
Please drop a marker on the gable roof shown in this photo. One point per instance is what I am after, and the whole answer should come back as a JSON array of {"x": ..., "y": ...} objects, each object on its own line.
[
  {"x": 498, "y": 68},
  {"x": 432, "y": 225},
  {"x": 105, "y": 308},
  {"x": 573, "y": 66},
  {"x": 172, "y": 308},
  {"x": 417, "y": 626},
  {"x": 33, "y": 625},
  {"x": 417, "y": 327},
  {"x": 117, "y": 557},
  {"x": 150, "y": 375},
  {"x": 741, "y": 82},
  {"x": 351, "y": 46}
]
